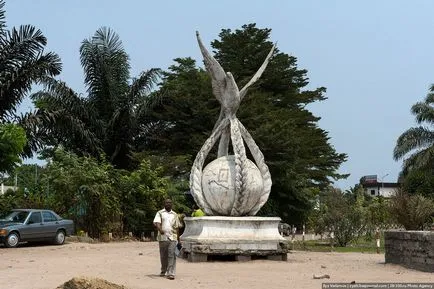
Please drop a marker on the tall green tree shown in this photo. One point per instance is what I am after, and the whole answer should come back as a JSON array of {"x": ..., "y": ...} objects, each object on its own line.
[
  {"x": 23, "y": 62},
  {"x": 297, "y": 151},
  {"x": 416, "y": 145},
  {"x": 107, "y": 118},
  {"x": 12, "y": 142}
]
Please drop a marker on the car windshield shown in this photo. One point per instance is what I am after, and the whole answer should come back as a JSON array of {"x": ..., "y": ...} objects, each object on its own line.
[{"x": 16, "y": 216}]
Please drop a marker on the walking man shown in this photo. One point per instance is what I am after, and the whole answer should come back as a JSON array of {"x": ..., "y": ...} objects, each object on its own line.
[{"x": 167, "y": 223}]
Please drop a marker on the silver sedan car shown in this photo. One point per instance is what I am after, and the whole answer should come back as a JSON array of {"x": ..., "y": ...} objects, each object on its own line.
[{"x": 28, "y": 225}]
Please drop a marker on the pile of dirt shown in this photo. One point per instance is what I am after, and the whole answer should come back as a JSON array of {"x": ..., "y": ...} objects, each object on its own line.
[{"x": 89, "y": 283}]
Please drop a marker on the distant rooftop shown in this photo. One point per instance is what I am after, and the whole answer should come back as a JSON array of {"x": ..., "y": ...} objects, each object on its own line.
[{"x": 372, "y": 181}]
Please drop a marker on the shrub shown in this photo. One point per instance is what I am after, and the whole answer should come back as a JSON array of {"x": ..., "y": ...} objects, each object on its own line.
[
  {"x": 411, "y": 211},
  {"x": 341, "y": 215}
]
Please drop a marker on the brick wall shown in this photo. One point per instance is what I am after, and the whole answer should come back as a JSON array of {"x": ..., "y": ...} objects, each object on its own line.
[{"x": 412, "y": 249}]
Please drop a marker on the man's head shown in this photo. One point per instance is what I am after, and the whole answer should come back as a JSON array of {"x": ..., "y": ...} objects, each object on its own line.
[{"x": 168, "y": 205}]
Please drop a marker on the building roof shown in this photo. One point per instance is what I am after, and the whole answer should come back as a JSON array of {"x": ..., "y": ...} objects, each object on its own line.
[{"x": 378, "y": 184}]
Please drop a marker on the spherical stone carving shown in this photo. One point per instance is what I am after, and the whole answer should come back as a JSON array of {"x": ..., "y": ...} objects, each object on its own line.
[{"x": 218, "y": 185}]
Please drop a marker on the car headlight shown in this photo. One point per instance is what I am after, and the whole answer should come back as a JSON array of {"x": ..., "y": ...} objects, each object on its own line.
[{"x": 3, "y": 232}]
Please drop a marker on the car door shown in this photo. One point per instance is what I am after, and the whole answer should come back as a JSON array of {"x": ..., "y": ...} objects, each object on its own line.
[
  {"x": 50, "y": 224},
  {"x": 33, "y": 228}
]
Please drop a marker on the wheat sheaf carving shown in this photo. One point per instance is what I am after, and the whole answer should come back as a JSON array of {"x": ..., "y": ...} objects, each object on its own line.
[{"x": 229, "y": 129}]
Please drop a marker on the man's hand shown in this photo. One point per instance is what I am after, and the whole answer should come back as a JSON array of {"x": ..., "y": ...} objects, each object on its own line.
[{"x": 158, "y": 226}]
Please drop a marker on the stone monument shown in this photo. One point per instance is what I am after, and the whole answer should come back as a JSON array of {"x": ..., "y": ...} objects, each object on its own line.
[{"x": 231, "y": 189}]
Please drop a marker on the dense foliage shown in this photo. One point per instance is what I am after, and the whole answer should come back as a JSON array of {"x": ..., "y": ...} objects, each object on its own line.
[
  {"x": 12, "y": 142},
  {"x": 412, "y": 211},
  {"x": 346, "y": 216},
  {"x": 96, "y": 196},
  {"x": 419, "y": 182}
]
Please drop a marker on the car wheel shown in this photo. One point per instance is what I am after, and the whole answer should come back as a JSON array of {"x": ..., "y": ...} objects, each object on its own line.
[
  {"x": 60, "y": 237},
  {"x": 12, "y": 240}
]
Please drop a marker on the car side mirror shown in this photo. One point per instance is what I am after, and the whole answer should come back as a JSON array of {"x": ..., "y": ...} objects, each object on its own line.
[{"x": 30, "y": 222}]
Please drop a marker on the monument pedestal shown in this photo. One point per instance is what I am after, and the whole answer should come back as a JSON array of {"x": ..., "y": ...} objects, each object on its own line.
[{"x": 242, "y": 238}]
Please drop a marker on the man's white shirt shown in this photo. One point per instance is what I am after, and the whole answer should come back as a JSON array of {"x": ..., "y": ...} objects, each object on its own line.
[{"x": 169, "y": 224}]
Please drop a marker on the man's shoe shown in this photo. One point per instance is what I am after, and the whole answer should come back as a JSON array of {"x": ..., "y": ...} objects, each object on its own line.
[
  {"x": 171, "y": 277},
  {"x": 162, "y": 274}
]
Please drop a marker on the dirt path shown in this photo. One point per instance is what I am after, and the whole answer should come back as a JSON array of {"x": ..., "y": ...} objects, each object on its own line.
[{"x": 135, "y": 265}]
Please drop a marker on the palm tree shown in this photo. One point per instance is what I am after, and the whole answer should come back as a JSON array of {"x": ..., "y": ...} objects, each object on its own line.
[
  {"x": 418, "y": 142},
  {"x": 22, "y": 63},
  {"x": 110, "y": 116}
]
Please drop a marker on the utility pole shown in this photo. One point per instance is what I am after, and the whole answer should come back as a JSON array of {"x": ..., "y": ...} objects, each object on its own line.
[{"x": 382, "y": 184}]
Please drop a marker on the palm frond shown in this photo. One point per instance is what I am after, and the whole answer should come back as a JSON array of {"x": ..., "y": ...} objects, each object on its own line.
[
  {"x": 430, "y": 97},
  {"x": 37, "y": 134},
  {"x": 431, "y": 88},
  {"x": 115, "y": 117},
  {"x": 58, "y": 127},
  {"x": 423, "y": 111},
  {"x": 422, "y": 159},
  {"x": 21, "y": 44},
  {"x": 106, "y": 67},
  {"x": 67, "y": 115},
  {"x": 58, "y": 95},
  {"x": 145, "y": 105},
  {"x": 413, "y": 138},
  {"x": 140, "y": 99},
  {"x": 145, "y": 82},
  {"x": 16, "y": 82},
  {"x": 150, "y": 131},
  {"x": 107, "y": 39},
  {"x": 2, "y": 20}
]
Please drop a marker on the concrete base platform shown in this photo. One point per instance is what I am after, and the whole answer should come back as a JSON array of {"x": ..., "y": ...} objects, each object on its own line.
[{"x": 233, "y": 238}]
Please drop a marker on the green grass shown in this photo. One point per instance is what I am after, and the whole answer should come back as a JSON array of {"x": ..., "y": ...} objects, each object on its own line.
[{"x": 359, "y": 246}]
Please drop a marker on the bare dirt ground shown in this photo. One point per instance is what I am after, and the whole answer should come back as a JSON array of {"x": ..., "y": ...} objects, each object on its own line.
[{"x": 135, "y": 265}]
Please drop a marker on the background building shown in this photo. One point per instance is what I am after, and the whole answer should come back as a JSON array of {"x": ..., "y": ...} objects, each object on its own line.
[{"x": 373, "y": 187}]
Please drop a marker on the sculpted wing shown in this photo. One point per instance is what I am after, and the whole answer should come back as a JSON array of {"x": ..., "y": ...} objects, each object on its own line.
[
  {"x": 218, "y": 75},
  {"x": 258, "y": 73}
]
